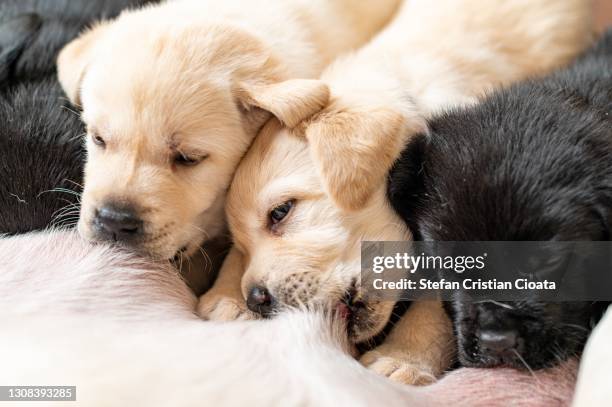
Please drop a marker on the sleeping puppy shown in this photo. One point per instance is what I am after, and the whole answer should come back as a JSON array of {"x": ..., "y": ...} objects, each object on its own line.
[
  {"x": 173, "y": 95},
  {"x": 41, "y": 152},
  {"x": 531, "y": 163},
  {"x": 302, "y": 200}
]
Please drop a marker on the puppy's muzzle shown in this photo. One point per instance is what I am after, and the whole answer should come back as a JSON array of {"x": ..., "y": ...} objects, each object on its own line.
[
  {"x": 499, "y": 338},
  {"x": 498, "y": 343},
  {"x": 116, "y": 223},
  {"x": 261, "y": 301}
]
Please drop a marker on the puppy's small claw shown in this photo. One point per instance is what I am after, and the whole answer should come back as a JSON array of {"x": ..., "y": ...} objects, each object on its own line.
[
  {"x": 396, "y": 369},
  {"x": 219, "y": 308}
]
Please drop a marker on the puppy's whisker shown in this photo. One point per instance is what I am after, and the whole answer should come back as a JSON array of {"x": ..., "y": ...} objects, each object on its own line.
[
  {"x": 64, "y": 224},
  {"x": 73, "y": 182},
  {"x": 499, "y": 304},
  {"x": 209, "y": 263},
  {"x": 66, "y": 108},
  {"x": 66, "y": 211},
  {"x": 72, "y": 207},
  {"x": 199, "y": 229},
  {"x": 524, "y": 362},
  {"x": 77, "y": 203},
  {"x": 78, "y": 137},
  {"x": 69, "y": 206},
  {"x": 60, "y": 190},
  {"x": 65, "y": 99},
  {"x": 69, "y": 209},
  {"x": 66, "y": 218}
]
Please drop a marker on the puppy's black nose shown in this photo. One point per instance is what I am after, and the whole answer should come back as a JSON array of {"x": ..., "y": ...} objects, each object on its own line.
[
  {"x": 117, "y": 224},
  {"x": 497, "y": 342},
  {"x": 260, "y": 301}
]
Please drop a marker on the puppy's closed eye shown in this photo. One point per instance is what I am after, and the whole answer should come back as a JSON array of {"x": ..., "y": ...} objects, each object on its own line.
[
  {"x": 278, "y": 214},
  {"x": 188, "y": 160},
  {"x": 97, "y": 139}
]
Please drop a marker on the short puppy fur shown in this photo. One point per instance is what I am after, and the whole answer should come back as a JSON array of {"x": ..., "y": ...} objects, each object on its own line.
[
  {"x": 173, "y": 95},
  {"x": 304, "y": 198},
  {"x": 532, "y": 162}
]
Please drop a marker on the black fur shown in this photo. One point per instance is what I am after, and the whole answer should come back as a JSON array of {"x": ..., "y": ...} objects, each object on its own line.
[
  {"x": 40, "y": 136},
  {"x": 532, "y": 162},
  {"x": 43, "y": 27},
  {"x": 40, "y": 151}
]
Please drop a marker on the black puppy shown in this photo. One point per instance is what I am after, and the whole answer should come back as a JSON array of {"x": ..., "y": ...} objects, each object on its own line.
[
  {"x": 41, "y": 158},
  {"x": 530, "y": 163},
  {"x": 41, "y": 152}
]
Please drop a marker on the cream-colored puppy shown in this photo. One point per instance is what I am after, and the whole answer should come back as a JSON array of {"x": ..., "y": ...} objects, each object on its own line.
[
  {"x": 173, "y": 95},
  {"x": 303, "y": 199}
]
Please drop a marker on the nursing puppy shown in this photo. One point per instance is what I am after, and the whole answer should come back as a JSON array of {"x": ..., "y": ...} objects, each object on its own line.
[
  {"x": 302, "y": 201},
  {"x": 532, "y": 162},
  {"x": 173, "y": 95},
  {"x": 41, "y": 151}
]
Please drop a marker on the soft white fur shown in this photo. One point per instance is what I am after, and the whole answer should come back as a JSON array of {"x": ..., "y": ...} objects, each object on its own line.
[
  {"x": 593, "y": 388},
  {"x": 124, "y": 332}
]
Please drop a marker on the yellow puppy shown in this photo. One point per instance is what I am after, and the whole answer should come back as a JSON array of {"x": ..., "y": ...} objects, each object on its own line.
[
  {"x": 173, "y": 95},
  {"x": 303, "y": 199}
]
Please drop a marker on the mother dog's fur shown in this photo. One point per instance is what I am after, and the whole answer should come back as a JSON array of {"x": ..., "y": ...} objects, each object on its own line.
[{"x": 123, "y": 330}]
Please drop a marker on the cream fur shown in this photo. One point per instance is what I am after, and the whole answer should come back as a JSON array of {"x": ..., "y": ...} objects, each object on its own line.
[
  {"x": 429, "y": 58},
  {"x": 198, "y": 77}
]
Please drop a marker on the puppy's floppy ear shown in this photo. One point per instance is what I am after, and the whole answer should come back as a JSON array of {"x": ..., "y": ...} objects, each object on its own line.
[
  {"x": 15, "y": 35},
  {"x": 354, "y": 149},
  {"x": 75, "y": 58},
  {"x": 291, "y": 101}
]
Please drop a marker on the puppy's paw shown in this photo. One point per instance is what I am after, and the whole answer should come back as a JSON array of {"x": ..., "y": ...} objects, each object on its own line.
[
  {"x": 397, "y": 369},
  {"x": 222, "y": 308}
]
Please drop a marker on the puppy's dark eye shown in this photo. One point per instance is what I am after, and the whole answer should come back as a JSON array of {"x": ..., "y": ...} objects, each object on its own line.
[
  {"x": 98, "y": 140},
  {"x": 279, "y": 213},
  {"x": 188, "y": 160}
]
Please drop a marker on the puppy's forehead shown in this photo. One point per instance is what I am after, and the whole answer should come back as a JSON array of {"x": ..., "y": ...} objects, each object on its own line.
[
  {"x": 171, "y": 73},
  {"x": 166, "y": 111}
]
